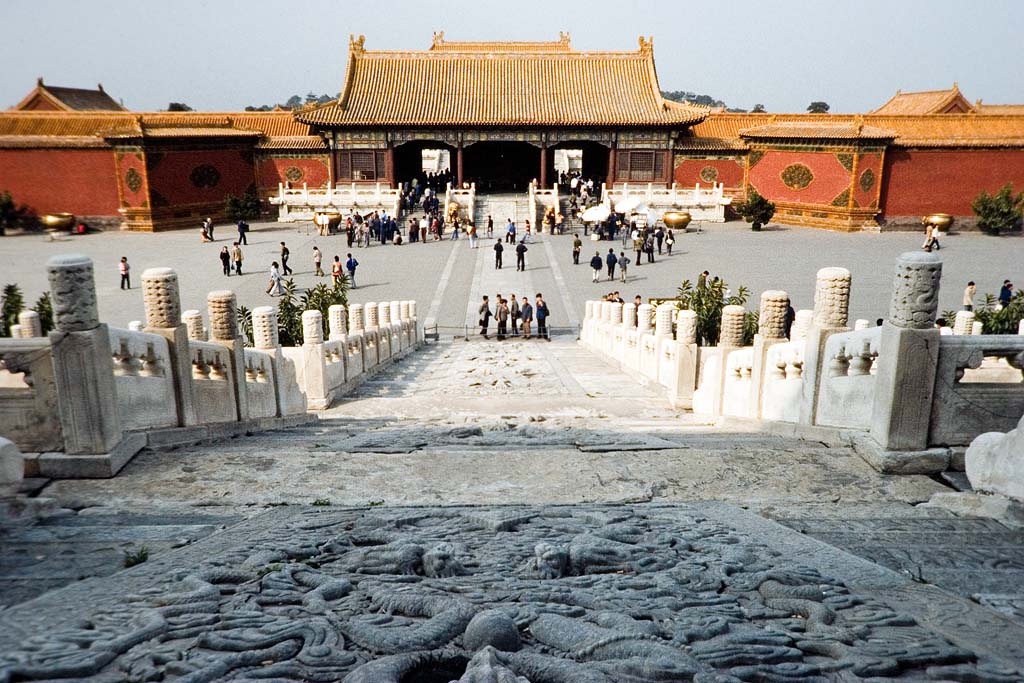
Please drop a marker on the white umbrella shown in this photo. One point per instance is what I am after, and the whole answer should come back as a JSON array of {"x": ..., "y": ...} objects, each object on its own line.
[
  {"x": 596, "y": 213},
  {"x": 628, "y": 204}
]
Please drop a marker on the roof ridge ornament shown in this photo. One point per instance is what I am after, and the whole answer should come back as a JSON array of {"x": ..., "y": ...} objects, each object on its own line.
[
  {"x": 438, "y": 39},
  {"x": 563, "y": 38},
  {"x": 647, "y": 45},
  {"x": 356, "y": 44}
]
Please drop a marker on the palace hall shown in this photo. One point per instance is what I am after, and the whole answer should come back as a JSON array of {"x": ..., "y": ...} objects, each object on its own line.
[{"x": 504, "y": 113}]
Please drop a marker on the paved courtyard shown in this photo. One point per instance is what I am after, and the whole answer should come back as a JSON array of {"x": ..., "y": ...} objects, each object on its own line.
[{"x": 447, "y": 278}]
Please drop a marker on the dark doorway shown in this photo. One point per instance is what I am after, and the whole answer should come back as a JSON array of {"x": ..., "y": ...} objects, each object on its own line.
[
  {"x": 501, "y": 166},
  {"x": 594, "y": 160},
  {"x": 409, "y": 163}
]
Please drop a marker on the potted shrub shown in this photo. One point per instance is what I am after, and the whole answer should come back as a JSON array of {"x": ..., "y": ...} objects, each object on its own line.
[
  {"x": 998, "y": 212},
  {"x": 756, "y": 210}
]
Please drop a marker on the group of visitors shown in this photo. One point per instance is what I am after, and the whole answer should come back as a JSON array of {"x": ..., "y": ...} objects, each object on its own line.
[
  {"x": 610, "y": 261},
  {"x": 519, "y": 315}
]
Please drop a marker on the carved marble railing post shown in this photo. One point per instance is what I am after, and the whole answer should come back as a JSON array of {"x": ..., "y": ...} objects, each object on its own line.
[
  {"x": 193, "y": 320},
  {"x": 31, "y": 326},
  {"x": 909, "y": 354},
  {"x": 711, "y": 394},
  {"x": 82, "y": 362},
  {"x": 265, "y": 337},
  {"x": 831, "y": 311},
  {"x": 136, "y": 326},
  {"x": 964, "y": 323},
  {"x": 264, "y": 328},
  {"x": 684, "y": 380},
  {"x": 731, "y": 334},
  {"x": 337, "y": 321},
  {"x": 801, "y": 324},
  {"x": 314, "y": 360},
  {"x": 664, "y": 317},
  {"x": 222, "y": 309},
  {"x": 771, "y": 330},
  {"x": 163, "y": 317},
  {"x": 629, "y": 315},
  {"x": 644, "y": 314}
]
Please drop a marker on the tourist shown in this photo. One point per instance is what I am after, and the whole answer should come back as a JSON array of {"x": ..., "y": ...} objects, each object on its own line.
[
  {"x": 623, "y": 265},
  {"x": 527, "y": 231},
  {"x": 490, "y": 226},
  {"x": 336, "y": 271},
  {"x": 318, "y": 259},
  {"x": 243, "y": 230},
  {"x": 610, "y": 260},
  {"x": 274, "y": 288},
  {"x": 515, "y": 315},
  {"x": 943, "y": 327},
  {"x": 124, "y": 269},
  {"x": 1006, "y": 293},
  {"x": 542, "y": 312},
  {"x": 455, "y": 229},
  {"x": 423, "y": 229},
  {"x": 208, "y": 225},
  {"x": 225, "y": 260},
  {"x": 501, "y": 315},
  {"x": 350, "y": 268},
  {"x": 526, "y": 313},
  {"x": 521, "y": 250},
  {"x": 638, "y": 246},
  {"x": 485, "y": 317},
  {"x": 510, "y": 232},
  {"x": 577, "y": 247},
  {"x": 285, "y": 253},
  {"x": 595, "y": 264},
  {"x": 637, "y": 301},
  {"x": 659, "y": 237},
  {"x": 670, "y": 239},
  {"x": 236, "y": 257},
  {"x": 498, "y": 248},
  {"x": 471, "y": 231},
  {"x": 649, "y": 248},
  {"x": 969, "y": 296},
  {"x": 204, "y": 234}
]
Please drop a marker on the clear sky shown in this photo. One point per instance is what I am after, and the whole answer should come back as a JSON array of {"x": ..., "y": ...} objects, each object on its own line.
[{"x": 223, "y": 55}]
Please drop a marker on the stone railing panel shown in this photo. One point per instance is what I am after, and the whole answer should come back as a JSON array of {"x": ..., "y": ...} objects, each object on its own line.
[
  {"x": 260, "y": 383},
  {"x": 28, "y": 396},
  {"x": 848, "y": 383},
  {"x": 783, "y": 382},
  {"x": 736, "y": 391},
  {"x": 213, "y": 382},
  {"x": 143, "y": 379}
]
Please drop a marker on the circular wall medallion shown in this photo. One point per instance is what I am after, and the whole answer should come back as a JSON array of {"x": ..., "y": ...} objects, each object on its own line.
[
  {"x": 133, "y": 180},
  {"x": 867, "y": 180},
  {"x": 797, "y": 176},
  {"x": 204, "y": 175},
  {"x": 709, "y": 174},
  {"x": 293, "y": 174}
]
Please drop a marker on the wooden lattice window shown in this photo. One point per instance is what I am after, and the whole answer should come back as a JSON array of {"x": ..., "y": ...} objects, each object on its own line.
[
  {"x": 361, "y": 165},
  {"x": 640, "y": 166}
]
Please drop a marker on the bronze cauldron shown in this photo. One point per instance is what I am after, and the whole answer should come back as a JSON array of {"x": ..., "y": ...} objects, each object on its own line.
[
  {"x": 676, "y": 220},
  {"x": 941, "y": 221},
  {"x": 57, "y": 221}
]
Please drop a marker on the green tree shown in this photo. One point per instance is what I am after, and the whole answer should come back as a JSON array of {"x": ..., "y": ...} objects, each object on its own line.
[
  {"x": 758, "y": 109},
  {"x": 818, "y": 108},
  {"x": 11, "y": 304},
  {"x": 293, "y": 102},
  {"x": 11, "y": 215},
  {"x": 707, "y": 298},
  {"x": 996, "y": 319},
  {"x": 998, "y": 212},
  {"x": 178, "y": 106},
  {"x": 44, "y": 307},
  {"x": 244, "y": 208},
  {"x": 756, "y": 210},
  {"x": 291, "y": 306}
]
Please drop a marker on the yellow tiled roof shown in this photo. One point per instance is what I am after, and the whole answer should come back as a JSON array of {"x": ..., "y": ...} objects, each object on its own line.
[
  {"x": 926, "y": 102},
  {"x": 494, "y": 85},
  {"x": 442, "y": 45},
  {"x": 998, "y": 109},
  {"x": 853, "y": 128},
  {"x": 293, "y": 142}
]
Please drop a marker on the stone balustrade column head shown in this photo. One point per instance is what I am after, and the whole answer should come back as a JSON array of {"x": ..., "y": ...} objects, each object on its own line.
[
  {"x": 861, "y": 324},
  {"x": 396, "y": 312},
  {"x": 371, "y": 315},
  {"x": 384, "y": 313},
  {"x": 731, "y": 334},
  {"x": 312, "y": 327},
  {"x": 802, "y": 322},
  {"x": 222, "y": 307},
  {"x": 31, "y": 325},
  {"x": 193, "y": 320},
  {"x": 136, "y": 326},
  {"x": 412, "y": 309},
  {"x": 644, "y": 314},
  {"x": 915, "y": 290},
  {"x": 16, "y": 331},
  {"x": 686, "y": 327},
  {"x": 616, "y": 314},
  {"x": 589, "y": 315},
  {"x": 355, "y": 318},
  {"x": 337, "y": 321},
  {"x": 964, "y": 322},
  {"x": 664, "y": 317},
  {"x": 73, "y": 292},
  {"x": 832, "y": 297},
  {"x": 161, "y": 298},
  {"x": 772, "y": 314},
  {"x": 629, "y": 315},
  {"x": 264, "y": 327},
  {"x": 977, "y": 328},
  {"x": 404, "y": 310}
]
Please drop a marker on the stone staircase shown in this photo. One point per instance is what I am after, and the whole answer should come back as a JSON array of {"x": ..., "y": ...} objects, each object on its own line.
[{"x": 502, "y": 206}]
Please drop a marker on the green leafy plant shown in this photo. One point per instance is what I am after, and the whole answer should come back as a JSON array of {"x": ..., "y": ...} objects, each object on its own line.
[
  {"x": 756, "y": 210},
  {"x": 818, "y": 107},
  {"x": 11, "y": 304},
  {"x": 996, "y": 319},
  {"x": 244, "y": 208},
  {"x": 707, "y": 298},
  {"x": 137, "y": 557},
  {"x": 998, "y": 212},
  {"x": 11, "y": 214},
  {"x": 321, "y": 502},
  {"x": 44, "y": 307},
  {"x": 245, "y": 324}
]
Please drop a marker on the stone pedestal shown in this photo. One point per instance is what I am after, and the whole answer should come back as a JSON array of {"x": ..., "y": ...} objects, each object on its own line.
[
  {"x": 222, "y": 309},
  {"x": 909, "y": 353},
  {"x": 163, "y": 317}
]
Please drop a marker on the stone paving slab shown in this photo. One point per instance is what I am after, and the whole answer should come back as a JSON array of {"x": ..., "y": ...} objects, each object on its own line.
[{"x": 704, "y": 592}]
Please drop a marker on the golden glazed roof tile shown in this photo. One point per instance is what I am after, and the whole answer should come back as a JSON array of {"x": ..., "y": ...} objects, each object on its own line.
[
  {"x": 998, "y": 109},
  {"x": 492, "y": 85},
  {"x": 946, "y": 101},
  {"x": 853, "y": 129}
]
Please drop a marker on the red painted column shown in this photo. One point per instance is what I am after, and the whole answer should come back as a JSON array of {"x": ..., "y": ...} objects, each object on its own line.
[
  {"x": 611, "y": 167},
  {"x": 544, "y": 166},
  {"x": 389, "y": 166},
  {"x": 458, "y": 165}
]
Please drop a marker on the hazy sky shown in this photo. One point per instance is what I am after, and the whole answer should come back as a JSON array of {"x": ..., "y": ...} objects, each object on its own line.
[{"x": 224, "y": 55}]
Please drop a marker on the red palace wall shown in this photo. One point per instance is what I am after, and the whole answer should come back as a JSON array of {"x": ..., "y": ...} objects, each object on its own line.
[
  {"x": 869, "y": 176},
  {"x": 830, "y": 176},
  {"x": 923, "y": 181},
  {"x": 131, "y": 167},
  {"x": 688, "y": 172},
  {"x": 196, "y": 176},
  {"x": 79, "y": 181},
  {"x": 311, "y": 170}
]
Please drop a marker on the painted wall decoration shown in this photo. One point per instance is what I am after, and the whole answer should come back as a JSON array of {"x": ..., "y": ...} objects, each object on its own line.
[
  {"x": 727, "y": 170},
  {"x": 200, "y": 176},
  {"x": 204, "y": 175},
  {"x": 273, "y": 170},
  {"x": 867, "y": 180},
  {"x": 133, "y": 180},
  {"x": 797, "y": 176},
  {"x": 293, "y": 174},
  {"x": 709, "y": 174}
]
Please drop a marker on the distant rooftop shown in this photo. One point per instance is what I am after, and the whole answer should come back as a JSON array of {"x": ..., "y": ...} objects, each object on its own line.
[{"x": 58, "y": 98}]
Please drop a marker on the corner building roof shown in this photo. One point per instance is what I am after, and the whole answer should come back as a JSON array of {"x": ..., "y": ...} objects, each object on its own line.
[{"x": 501, "y": 84}]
